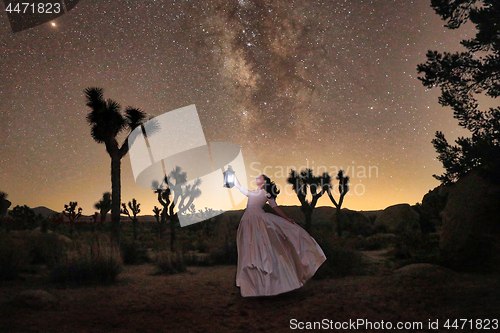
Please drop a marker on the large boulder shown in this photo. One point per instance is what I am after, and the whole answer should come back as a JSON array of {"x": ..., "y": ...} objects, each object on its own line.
[
  {"x": 397, "y": 219},
  {"x": 433, "y": 204},
  {"x": 37, "y": 299},
  {"x": 424, "y": 270},
  {"x": 470, "y": 234},
  {"x": 352, "y": 222}
]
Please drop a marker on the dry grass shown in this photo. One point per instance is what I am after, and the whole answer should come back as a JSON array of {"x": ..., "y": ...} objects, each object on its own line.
[
  {"x": 88, "y": 261},
  {"x": 205, "y": 299}
]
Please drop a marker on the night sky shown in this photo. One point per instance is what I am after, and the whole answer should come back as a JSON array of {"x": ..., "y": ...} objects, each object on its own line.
[{"x": 325, "y": 84}]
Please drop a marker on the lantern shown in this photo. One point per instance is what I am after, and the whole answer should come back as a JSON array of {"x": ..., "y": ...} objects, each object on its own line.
[{"x": 229, "y": 177}]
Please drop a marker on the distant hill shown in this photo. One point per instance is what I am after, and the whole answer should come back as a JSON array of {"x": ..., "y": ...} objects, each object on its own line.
[
  {"x": 320, "y": 214},
  {"x": 46, "y": 212}
]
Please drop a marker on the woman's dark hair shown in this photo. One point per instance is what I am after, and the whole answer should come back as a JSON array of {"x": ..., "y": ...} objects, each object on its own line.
[{"x": 270, "y": 187}]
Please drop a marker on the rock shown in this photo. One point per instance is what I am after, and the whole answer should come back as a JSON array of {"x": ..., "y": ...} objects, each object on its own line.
[
  {"x": 434, "y": 202},
  {"x": 397, "y": 219},
  {"x": 470, "y": 234},
  {"x": 353, "y": 222},
  {"x": 37, "y": 299},
  {"x": 424, "y": 270}
]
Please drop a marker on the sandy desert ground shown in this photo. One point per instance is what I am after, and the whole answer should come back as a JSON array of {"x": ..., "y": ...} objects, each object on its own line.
[{"x": 205, "y": 299}]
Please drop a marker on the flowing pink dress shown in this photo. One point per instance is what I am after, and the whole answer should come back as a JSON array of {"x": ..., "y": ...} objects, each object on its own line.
[{"x": 274, "y": 255}]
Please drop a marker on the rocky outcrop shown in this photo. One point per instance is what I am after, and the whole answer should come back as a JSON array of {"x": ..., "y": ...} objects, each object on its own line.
[
  {"x": 470, "y": 235},
  {"x": 397, "y": 219},
  {"x": 353, "y": 222}
]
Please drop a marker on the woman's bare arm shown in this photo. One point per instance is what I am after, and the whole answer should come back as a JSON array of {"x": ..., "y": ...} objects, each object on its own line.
[
  {"x": 278, "y": 210},
  {"x": 239, "y": 187},
  {"x": 236, "y": 182}
]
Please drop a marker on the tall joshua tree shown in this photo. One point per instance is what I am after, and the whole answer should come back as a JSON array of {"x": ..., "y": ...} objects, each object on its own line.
[
  {"x": 107, "y": 123},
  {"x": 134, "y": 207},
  {"x": 343, "y": 189},
  {"x": 104, "y": 206},
  {"x": 317, "y": 185}
]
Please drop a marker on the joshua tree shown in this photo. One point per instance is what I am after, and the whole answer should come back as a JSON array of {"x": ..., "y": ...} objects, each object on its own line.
[
  {"x": 208, "y": 221},
  {"x": 107, "y": 123},
  {"x": 343, "y": 189},
  {"x": 317, "y": 185},
  {"x": 167, "y": 213},
  {"x": 94, "y": 221},
  {"x": 104, "y": 206},
  {"x": 160, "y": 220},
  {"x": 134, "y": 207},
  {"x": 176, "y": 183},
  {"x": 70, "y": 212}
]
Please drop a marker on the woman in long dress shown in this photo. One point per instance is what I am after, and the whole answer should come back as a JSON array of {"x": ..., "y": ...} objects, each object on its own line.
[{"x": 275, "y": 255}]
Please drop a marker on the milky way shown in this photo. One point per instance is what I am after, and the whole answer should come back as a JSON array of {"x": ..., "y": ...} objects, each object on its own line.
[{"x": 294, "y": 83}]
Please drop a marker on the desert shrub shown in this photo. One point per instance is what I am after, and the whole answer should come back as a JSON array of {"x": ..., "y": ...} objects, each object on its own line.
[
  {"x": 46, "y": 248},
  {"x": 227, "y": 254},
  {"x": 170, "y": 263},
  {"x": 375, "y": 242},
  {"x": 96, "y": 260},
  {"x": 416, "y": 247},
  {"x": 193, "y": 258},
  {"x": 186, "y": 241},
  {"x": 14, "y": 257},
  {"x": 340, "y": 261},
  {"x": 133, "y": 252}
]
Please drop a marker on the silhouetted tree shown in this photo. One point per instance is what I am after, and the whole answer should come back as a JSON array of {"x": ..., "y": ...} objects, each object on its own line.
[
  {"x": 461, "y": 77},
  {"x": 160, "y": 226},
  {"x": 317, "y": 186},
  {"x": 70, "y": 212},
  {"x": 107, "y": 123},
  {"x": 104, "y": 206},
  {"x": 167, "y": 213},
  {"x": 343, "y": 189},
  {"x": 134, "y": 207},
  {"x": 24, "y": 217},
  {"x": 208, "y": 221},
  {"x": 56, "y": 220},
  {"x": 94, "y": 221},
  {"x": 175, "y": 196},
  {"x": 4, "y": 204}
]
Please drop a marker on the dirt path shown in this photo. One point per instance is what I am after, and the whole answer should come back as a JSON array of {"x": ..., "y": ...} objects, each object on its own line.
[
  {"x": 205, "y": 299},
  {"x": 376, "y": 262}
]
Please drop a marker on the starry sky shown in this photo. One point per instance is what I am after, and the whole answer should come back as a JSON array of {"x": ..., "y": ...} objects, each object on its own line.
[{"x": 322, "y": 84}]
